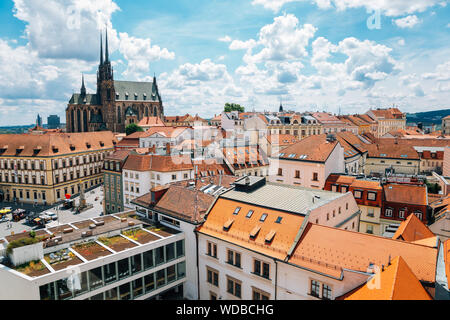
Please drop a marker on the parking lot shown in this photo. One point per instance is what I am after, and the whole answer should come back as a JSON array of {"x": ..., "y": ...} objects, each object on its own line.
[{"x": 64, "y": 216}]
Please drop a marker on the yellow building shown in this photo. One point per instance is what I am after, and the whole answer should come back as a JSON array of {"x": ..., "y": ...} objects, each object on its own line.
[
  {"x": 388, "y": 120},
  {"x": 41, "y": 168}
]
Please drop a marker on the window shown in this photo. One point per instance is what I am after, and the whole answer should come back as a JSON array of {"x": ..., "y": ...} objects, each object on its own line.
[
  {"x": 212, "y": 296},
  {"x": 371, "y": 196},
  {"x": 260, "y": 295},
  {"x": 234, "y": 258},
  {"x": 279, "y": 220},
  {"x": 326, "y": 292},
  {"x": 388, "y": 212},
  {"x": 357, "y": 194},
  {"x": 261, "y": 269},
  {"x": 401, "y": 214},
  {"x": 315, "y": 288},
  {"x": 370, "y": 212},
  {"x": 249, "y": 214},
  {"x": 418, "y": 214},
  {"x": 369, "y": 229},
  {"x": 263, "y": 217},
  {"x": 315, "y": 176},
  {"x": 297, "y": 174},
  {"x": 236, "y": 211},
  {"x": 212, "y": 249},
  {"x": 280, "y": 172},
  {"x": 174, "y": 177},
  {"x": 344, "y": 189},
  {"x": 212, "y": 276},
  {"x": 234, "y": 287}
]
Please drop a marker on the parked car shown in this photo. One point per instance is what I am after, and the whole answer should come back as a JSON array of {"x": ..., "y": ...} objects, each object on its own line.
[
  {"x": 45, "y": 217},
  {"x": 52, "y": 215},
  {"x": 19, "y": 214}
]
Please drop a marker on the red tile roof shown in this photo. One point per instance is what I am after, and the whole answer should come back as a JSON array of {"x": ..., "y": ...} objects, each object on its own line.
[
  {"x": 412, "y": 229},
  {"x": 406, "y": 193},
  {"x": 355, "y": 251},
  {"x": 396, "y": 282},
  {"x": 315, "y": 148},
  {"x": 157, "y": 163}
]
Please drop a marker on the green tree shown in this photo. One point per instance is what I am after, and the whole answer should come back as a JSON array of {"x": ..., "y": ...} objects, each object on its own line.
[
  {"x": 132, "y": 128},
  {"x": 233, "y": 107}
]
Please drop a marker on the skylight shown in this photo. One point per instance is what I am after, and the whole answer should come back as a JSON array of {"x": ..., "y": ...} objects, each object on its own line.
[
  {"x": 249, "y": 214},
  {"x": 279, "y": 220},
  {"x": 263, "y": 217},
  {"x": 236, "y": 211}
]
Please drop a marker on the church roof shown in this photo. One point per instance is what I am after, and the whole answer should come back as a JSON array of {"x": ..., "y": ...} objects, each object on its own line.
[
  {"x": 137, "y": 91},
  {"x": 91, "y": 99}
]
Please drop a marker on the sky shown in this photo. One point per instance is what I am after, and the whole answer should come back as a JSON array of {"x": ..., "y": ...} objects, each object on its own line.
[{"x": 312, "y": 55}]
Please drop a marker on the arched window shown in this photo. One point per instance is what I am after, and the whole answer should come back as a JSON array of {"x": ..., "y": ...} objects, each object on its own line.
[
  {"x": 85, "y": 121},
  {"x": 72, "y": 120},
  {"x": 146, "y": 111},
  {"x": 78, "y": 120},
  {"x": 119, "y": 116}
]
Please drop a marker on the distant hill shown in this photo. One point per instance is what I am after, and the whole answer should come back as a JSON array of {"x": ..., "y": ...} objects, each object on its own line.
[
  {"x": 15, "y": 129},
  {"x": 428, "y": 118}
]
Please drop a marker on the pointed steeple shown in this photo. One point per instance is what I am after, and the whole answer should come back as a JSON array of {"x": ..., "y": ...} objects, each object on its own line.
[
  {"x": 281, "y": 105},
  {"x": 101, "y": 48},
  {"x": 106, "y": 48},
  {"x": 83, "y": 88}
]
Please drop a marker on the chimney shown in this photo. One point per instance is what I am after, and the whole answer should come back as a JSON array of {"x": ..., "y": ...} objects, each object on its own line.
[{"x": 168, "y": 149}]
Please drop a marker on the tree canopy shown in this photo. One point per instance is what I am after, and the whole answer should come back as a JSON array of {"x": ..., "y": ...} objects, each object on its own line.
[
  {"x": 233, "y": 107},
  {"x": 132, "y": 128}
]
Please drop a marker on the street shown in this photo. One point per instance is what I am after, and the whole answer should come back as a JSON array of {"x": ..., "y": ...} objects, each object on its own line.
[{"x": 64, "y": 216}]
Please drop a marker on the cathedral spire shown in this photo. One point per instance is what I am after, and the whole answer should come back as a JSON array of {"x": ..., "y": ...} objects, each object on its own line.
[
  {"x": 101, "y": 48},
  {"x": 106, "y": 49},
  {"x": 83, "y": 88}
]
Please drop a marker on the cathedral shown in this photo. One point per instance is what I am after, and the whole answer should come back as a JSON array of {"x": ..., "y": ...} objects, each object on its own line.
[{"x": 115, "y": 104}]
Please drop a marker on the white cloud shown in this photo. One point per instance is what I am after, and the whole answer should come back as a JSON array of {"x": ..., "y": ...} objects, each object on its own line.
[
  {"x": 241, "y": 45},
  {"x": 139, "y": 53},
  {"x": 225, "y": 39},
  {"x": 407, "y": 22},
  {"x": 390, "y": 8}
]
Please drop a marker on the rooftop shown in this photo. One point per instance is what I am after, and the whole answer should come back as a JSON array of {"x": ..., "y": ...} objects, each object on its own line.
[
  {"x": 412, "y": 229},
  {"x": 396, "y": 282},
  {"x": 357, "y": 251},
  {"x": 313, "y": 148},
  {"x": 406, "y": 193}
]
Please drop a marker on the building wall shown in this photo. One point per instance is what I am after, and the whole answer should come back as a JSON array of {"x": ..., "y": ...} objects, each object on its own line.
[
  {"x": 243, "y": 274},
  {"x": 446, "y": 164},
  {"x": 379, "y": 165},
  {"x": 54, "y": 176},
  {"x": 370, "y": 223}
]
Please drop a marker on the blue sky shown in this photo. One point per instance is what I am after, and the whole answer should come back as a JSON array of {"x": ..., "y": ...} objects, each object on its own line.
[{"x": 312, "y": 54}]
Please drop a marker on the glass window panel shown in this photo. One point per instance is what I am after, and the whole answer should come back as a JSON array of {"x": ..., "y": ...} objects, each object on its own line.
[
  {"x": 180, "y": 248},
  {"x": 95, "y": 278},
  {"x": 148, "y": 259},
  {"x": 170, "y": 251},
  {"x": 171, "y": 276},
  {"x": 136, "y": 264},
  {"x": 149, "y": 282},
  {"x": 138, "y": 288},
  {"x": 79, "y": 283},
  {"x": 159, "y": 255},
  {"x": 124, "y": 292},
  {"x": 47, "y": 291},
  {"x": 181, "y": 270},
  {"x": 124, "y": 268},
  {"x": 111, "y": 294},
  {"x": 62, "y": 289},
  {"x": 109, "y": 271},
  {"x": 160, "y": 278}
]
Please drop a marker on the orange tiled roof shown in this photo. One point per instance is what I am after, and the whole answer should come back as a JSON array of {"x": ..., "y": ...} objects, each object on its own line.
[
  {"x": 390, "y": 149},
  {"x": 315, "y": 148},
  {"x": 165, "y": 131},
  {"x": 406, "y": 193},
  {"x": 396, "y": 282},
  {"x": 170, "y": 203},
  {"x": 241, "y": 227},
  {"x": 412, "y": 229},
  {"x": 157, "y": 163},
  {"x": 355, "y": 251},
  {"x": 151, "y": 121},
  {"x": 282, "y": 139},
  {"x": 54, "y": 144}
]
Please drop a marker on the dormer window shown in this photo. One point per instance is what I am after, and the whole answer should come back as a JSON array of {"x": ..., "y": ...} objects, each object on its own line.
[{"x": 88, "y": 145}]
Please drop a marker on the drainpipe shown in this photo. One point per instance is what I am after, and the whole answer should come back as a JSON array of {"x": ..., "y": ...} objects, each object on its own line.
[
  {"x": 198, "y": 271},
  {"x": 276, "y": 277}
]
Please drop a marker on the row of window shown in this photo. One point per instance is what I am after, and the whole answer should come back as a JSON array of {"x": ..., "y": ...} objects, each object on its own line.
[
  {"x": 315, "y": 175},
  {"x": 22, "y": 164},
  {"x": 76, "y": 175},
  {"x": 389, "y": 212},
  {"x": 234, "y": 286},
  {"x": 70, "y": 162},
  {"x": 96, "y": 278},
  {"x": 233, "y": 258},
  {"x": 72, "y": 287},
  {"x": 358, "y": 194}
]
